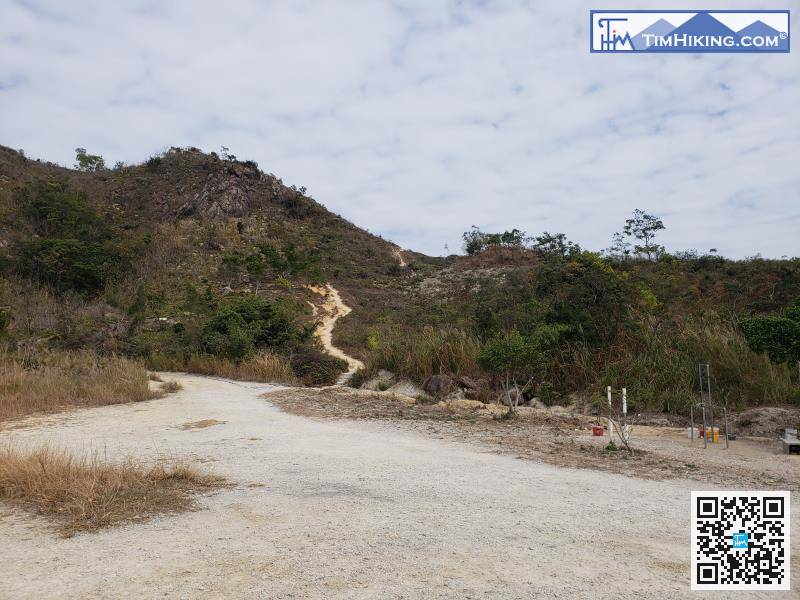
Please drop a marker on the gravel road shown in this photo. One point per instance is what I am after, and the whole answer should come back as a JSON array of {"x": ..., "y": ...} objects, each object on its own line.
[{"x": 349, "y": 510}]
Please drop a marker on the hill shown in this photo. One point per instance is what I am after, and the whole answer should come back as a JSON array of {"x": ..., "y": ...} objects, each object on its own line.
[{"x": 200, "y": 262}]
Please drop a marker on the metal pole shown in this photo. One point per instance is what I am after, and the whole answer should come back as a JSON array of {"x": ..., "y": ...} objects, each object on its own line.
[
  {"x": 710, "y": 401},
  {"x": 705, "y": 429},
  {"x": 610, "y": 422},
  {"x": 691, "y": 420},
  {"x": 725, "y": 415}
]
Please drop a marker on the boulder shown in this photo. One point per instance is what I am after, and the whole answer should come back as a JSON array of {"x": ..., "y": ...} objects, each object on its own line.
[
  {"x": 536, "y": 403},
  {"x": 382, "y": 381},
  {"x": 437, "y": 385},
  {"x": 408, "y": 388},
  {"x": 468, "y": 383},
  {"x": 458, "y": 394}
]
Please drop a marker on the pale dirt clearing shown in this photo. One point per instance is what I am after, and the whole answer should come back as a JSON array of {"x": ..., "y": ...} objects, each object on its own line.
[{"x": 340, "y": 509}]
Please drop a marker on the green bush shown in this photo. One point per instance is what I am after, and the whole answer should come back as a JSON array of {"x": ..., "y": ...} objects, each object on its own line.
[
  {"x": 313, "y": 367},
  {"x": 246, "y": 323},
  {"x": 777, "y": 337},
  {"x": 75, "y": 249},
  {"x": 70, "y": 264}
]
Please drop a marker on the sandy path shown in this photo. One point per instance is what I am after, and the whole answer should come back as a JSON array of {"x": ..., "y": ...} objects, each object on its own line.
[
  {"x": 398, "y": 254},
  {"x": 349, "y": 510},
  {"x": 332, "y": 309}
]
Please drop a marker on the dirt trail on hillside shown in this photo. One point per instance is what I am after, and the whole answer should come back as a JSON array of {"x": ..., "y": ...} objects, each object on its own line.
[
  {"x": 331, "y": 310},
  {"x": 320, "y": 509},
  {"x": 398, "y": 254}
]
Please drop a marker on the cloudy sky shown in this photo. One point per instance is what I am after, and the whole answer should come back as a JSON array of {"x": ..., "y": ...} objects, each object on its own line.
[{"x": 417, "y": 120}]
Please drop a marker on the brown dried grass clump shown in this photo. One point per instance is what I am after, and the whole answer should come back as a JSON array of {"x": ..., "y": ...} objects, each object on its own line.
[
  {"x": 49, "y": 381},
  {"x": 83, "y": 493},
  {"x": 170, "y": 387},
  {"x": 266, "y": 367}
]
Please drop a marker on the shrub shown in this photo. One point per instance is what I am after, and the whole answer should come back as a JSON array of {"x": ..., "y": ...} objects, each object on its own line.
[
  {"x": 247, "y": 323},
  {"x": 153, "y": 163},
  {"x": 69, "y": 264},
  {"x": 777, "y": 337},
  {"x": 317, "y": 368},
  {"x": 76, "y": 249}
]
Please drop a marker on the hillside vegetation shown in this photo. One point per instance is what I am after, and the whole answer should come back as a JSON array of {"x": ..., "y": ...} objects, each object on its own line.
[{"x": 203, "y": 262}]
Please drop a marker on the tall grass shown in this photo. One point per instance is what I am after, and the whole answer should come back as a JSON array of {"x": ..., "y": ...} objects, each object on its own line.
[
  {"x": 266, "y": 367},
  {"x": 425, "y": 352},
  {"x": 50, "y": 381},
  {"x": 83, "y": 493},
  {"x": 659, "y": 368}
]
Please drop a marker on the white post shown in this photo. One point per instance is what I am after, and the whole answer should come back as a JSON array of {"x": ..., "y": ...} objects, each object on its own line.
[
  {"x": 624, "y": 401},
  {"x": 610, "y": 422}
]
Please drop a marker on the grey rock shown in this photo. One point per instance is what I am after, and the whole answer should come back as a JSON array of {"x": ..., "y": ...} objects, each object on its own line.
[
  {"x": 408, "y": 388},
  {"x": 382, "y": 381},
  {"x": 218, "y": 198},
  {"x": 437, "y": 385}
]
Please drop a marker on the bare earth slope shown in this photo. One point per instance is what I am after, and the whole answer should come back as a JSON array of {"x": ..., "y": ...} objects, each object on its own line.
[{"x": 348, "y": 510}]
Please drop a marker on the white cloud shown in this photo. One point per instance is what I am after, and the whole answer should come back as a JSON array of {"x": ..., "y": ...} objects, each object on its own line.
[{"x": 419, "y": 119}]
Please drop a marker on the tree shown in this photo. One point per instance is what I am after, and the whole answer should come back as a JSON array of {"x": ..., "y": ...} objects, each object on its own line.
[
  {"x": 620, "y": 247},
  {"x": 256, "y": 266},
  {"x": 644, "y": 227},
  {"x": 513, "y": 359},
  {"x": 556, "y": 243},
  {"x": 476, "y": 241},
  {"x": 88, "y": 162},
  {"x": 777, "y": 337}
]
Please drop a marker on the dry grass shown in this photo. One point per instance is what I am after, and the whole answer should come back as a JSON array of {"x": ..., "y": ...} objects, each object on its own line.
[
  {"x": 49, "y": 381},
  {"x": 154, "y": 377},
  {"x": 170, "y": 387},
  {"x": 87, "y": 494},
  {"x": 267, "y": 367},
  {"x": 427, "y": 352}
]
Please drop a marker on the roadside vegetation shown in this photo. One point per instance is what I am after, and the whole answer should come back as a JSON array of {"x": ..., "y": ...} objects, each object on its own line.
[
  {"x": 201, "y": 262},
  {"x": 86, "y": 493},
  {"x": 48, "y": 381},
  {"x": 545, "y": 317}
]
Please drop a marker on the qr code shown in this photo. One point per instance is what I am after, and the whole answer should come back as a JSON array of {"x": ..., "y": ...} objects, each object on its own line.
[{"x": 740, "y": 540}]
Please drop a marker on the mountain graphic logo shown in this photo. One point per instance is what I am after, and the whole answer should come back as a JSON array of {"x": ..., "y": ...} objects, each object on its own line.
[{"x": 674, "y": 31}]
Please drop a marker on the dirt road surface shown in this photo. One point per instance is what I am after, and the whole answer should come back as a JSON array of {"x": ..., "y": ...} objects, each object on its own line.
[{"x": 341, "y": 509}]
